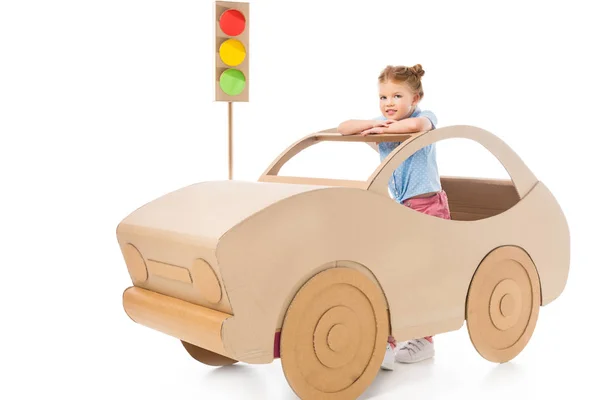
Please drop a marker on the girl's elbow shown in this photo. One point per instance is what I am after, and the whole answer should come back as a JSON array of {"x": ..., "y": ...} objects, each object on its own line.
[
  {"x": 422, "y": 124},
  {"x": 343, "y": 128},
  {"x": 412, "y": 125}
]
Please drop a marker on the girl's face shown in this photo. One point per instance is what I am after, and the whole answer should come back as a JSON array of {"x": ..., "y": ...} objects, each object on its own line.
[{"x": 396, "y": 100}]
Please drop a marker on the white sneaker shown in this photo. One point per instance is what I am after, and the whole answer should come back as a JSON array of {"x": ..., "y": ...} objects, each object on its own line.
[
  {"x": 388, "y": 359},
  {"x": 415, "y": 350}
]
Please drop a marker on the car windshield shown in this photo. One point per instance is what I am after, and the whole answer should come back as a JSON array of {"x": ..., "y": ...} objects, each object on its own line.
[{"x": 334, "y": 160}]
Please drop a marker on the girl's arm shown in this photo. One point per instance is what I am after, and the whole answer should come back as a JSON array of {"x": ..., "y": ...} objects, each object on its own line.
[
  {"x": 410, "y": 125},
  {"x": 353, "y": 126}
]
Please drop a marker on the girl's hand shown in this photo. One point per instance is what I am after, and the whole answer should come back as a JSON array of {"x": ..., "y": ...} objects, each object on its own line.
[
  {"x": 375, "y": 130},
  {"x": 387, "y": 122}
]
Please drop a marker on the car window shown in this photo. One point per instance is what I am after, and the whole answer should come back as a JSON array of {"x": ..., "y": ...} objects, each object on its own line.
[
  {"x": 334, "y": 160},
  {"x": 477, "y": 184},
  {"x": 467, "y": 158}
]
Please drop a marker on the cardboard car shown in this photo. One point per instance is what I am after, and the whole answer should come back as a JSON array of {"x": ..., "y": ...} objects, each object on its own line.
[{"x": 318, "y": 272}]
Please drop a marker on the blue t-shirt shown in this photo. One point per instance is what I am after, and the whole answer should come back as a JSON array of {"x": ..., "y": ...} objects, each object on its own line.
[{"x": 418, "y": 174}]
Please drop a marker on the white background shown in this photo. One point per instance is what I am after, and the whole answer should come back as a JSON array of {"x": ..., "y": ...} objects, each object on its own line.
[{"x": 105, "y": 105}]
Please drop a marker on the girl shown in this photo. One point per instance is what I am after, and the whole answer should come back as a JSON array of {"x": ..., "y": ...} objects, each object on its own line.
[{"x": 416, "y": 182}]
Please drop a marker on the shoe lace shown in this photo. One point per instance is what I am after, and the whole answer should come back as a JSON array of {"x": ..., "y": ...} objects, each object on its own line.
[{"x": 413, "y": 345}]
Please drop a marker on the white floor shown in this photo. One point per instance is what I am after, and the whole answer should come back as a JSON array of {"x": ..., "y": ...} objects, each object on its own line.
[{"x": 92, "y": 350}]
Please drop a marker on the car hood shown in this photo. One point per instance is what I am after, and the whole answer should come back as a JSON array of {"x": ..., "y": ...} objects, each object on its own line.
[{"x": 201, "y": 213}]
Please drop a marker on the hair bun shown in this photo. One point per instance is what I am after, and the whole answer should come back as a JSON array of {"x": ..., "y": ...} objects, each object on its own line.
[{"x": 418, "y": 70}]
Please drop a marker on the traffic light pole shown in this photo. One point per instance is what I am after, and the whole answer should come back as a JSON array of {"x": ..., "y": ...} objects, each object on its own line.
[
  {"x": 230, "y": 120},
  {"x": 232, "y": 44}
]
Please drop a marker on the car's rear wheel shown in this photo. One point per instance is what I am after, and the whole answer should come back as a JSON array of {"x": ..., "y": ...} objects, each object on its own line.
[
  {"x": 503, "y": 304},
  {"x": 334, "y": 335},
  {"x": 206, "y": 356}
]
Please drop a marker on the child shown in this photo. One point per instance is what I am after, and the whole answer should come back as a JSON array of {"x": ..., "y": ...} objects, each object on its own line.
[{"x": 416, "y": 182}]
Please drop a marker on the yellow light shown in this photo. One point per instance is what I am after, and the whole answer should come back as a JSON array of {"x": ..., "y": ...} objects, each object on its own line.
[{"x": 232, "y": 52}]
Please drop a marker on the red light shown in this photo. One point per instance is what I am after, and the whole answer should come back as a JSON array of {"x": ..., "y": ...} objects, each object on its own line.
[{"x": 232, "y": 22}]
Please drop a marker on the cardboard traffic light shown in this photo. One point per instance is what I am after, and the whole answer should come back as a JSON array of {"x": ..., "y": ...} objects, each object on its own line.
[{"x": 232, "y": 42}]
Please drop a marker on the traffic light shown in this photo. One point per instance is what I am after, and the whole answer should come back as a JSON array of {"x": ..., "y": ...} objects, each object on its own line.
[{"x": 232, "y": 41}]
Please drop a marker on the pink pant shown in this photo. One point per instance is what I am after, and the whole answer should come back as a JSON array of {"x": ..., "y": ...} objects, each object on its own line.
[{"x": 436, "y": 205}]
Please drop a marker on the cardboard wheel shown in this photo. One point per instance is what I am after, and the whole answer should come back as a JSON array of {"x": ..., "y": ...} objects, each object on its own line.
[
  {"x": 334, "y": 335},
  {"x": 503, "y": 304},
  {"x": 206, "y": 356}
]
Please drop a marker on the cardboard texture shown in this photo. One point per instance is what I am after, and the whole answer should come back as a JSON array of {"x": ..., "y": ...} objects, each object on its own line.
[
  {"x": 503, "y": 304},
  {"x": 310, "y": 260},
  {"x": 206, "y": 356}
]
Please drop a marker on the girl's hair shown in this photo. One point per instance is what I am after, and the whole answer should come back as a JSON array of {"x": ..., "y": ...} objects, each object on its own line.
[{"x": 400, "y": 73}]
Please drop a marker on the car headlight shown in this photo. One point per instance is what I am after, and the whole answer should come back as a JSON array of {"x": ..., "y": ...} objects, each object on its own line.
[
  {"x": 205, "y": 280},
  {"x": 135, "y": 263}
]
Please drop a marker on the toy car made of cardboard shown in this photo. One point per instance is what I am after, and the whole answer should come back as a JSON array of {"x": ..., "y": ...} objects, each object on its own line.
[{"x": 318, "y": 272}]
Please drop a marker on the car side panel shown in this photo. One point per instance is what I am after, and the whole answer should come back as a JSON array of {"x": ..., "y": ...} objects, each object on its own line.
[
  {"x": 423, "y": 264},
  {"x": 266, "y": 258}
]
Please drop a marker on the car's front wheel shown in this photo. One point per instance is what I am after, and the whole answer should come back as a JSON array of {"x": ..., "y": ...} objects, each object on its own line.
[
  {"x": 503, "y": 304},
  {"x": 206, "y": 356},
  {"x": 334, "y": 335}
]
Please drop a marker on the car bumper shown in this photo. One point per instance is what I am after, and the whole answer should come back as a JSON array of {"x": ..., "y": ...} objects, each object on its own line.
[{"x": 189, "y": 322}]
